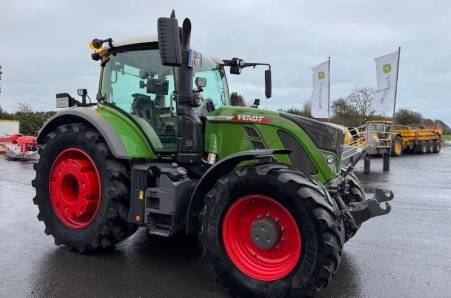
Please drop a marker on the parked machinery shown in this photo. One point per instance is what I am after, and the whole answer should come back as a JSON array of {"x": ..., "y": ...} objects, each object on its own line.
[{"x": 263, "y": 191}]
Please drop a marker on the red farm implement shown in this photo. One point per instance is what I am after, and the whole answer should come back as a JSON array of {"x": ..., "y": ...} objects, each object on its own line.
[{"x": 19, "y": 147}]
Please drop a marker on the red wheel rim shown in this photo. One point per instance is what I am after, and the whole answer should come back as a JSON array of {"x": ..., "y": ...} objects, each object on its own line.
[
  {"x": 74, "y": 186},
  {"x": 262, "y": 264}
]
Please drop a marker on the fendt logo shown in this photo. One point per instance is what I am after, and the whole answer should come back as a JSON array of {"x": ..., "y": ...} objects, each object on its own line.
[
  {"x": 386, "y": 68},
  {"x": 241, "y": 118},
  {"x": 251, "y": 118},
  {"x": 321, "y": 75}
]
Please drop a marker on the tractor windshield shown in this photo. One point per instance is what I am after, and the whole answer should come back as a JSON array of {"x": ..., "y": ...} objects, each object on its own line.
[{"x": 139, "y": 84}]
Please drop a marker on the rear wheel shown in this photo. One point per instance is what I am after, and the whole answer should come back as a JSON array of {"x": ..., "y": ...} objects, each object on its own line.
[
  {"x": 268, "y": 230},
  {"x": 437, "y": 146},
  {"x": 396, "y": 146},
  {"x": 422, "y": 147},
  {"x": 81, "y": 189},
  {"x": 430, "y": 146}
]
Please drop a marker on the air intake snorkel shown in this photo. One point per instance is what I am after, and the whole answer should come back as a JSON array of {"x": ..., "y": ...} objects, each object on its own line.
[{"x": 174, "y": 44}]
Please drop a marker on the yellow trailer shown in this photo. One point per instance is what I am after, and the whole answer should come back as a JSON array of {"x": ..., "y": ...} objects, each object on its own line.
[
  {"x": 416, "y": 139},
  {"x": 399, "y": 138},
  {"x": 385, "y": 139}
]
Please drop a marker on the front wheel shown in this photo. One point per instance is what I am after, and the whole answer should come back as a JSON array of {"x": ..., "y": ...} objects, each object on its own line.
[
  {"x": 82, "y": 191},
  {"x": 268, "y": 230}
]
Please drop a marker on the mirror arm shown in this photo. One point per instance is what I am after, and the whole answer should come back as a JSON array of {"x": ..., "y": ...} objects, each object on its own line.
[
  {"x": 246, "y": 64},
  {"x": 256, "y": 64}
]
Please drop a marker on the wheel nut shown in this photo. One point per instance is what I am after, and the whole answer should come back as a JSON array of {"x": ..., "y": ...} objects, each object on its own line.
[
  {"x": 259, "y": 216},
  {"x": 276, "y": 219},
  {"x": 268, "y": 214},
  {"x": 282, "y": 228}
]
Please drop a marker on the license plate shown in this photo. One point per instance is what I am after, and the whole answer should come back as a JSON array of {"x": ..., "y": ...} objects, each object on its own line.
[{"x": 194, "y": 59}]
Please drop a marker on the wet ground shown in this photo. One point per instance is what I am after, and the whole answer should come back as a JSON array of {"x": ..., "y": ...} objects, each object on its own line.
[{"x": 404, "y": 254}]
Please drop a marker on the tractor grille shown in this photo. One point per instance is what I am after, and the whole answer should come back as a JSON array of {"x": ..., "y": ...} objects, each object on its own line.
[
  {"x": 325, "y": 136},
  {"x": 298, "y": 157}
]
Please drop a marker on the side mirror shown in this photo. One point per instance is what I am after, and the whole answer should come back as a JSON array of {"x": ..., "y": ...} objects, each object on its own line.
[
  {"x": 200, "y": 82},
  {"x": 169, "y": 42},
  {"x": 268, "y": 83}
]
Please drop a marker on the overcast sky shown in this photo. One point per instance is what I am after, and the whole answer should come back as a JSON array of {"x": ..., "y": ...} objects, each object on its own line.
[{"x": 44, "y": 45}]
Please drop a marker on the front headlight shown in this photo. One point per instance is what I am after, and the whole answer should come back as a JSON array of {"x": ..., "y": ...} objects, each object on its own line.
[{"x": 332, "y": 162}]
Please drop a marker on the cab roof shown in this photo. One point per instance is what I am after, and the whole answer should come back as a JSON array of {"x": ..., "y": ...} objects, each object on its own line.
[
  {"x": 133, "y": 41},
  {"x": 139, "y": 40}
]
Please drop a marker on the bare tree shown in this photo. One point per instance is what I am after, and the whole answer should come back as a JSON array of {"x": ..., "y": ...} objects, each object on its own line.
[
  {"x": 306, "y": 111},
  {"x": 407, "y": 117},
  {"x": 24, "y": 108},
  {"x": 237, "y": 100},
  {"x": 345, "y": 113},
  {"x": 361, "y": 99}
]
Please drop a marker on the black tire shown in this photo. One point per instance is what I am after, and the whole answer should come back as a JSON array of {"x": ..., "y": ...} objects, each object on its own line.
[
  {"x": 395, "y": 151},
  {"x": 430, "y": 146},
  {"x": 422, "y": 147},
  {"x": 437, "y": 146},
  {"x": 109, "y": 226},
  {"x": 315, "y": 213}
]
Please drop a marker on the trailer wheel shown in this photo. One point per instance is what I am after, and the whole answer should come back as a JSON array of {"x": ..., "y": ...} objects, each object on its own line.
[
  {"x": 270, "y": 231},
  {"x": 437, "y": 146},
  {"x": 396, "y": 146},
  {"x": 82, "y": 191},
  {"x": 430, "y": 146},
  {"x": 422, "y": 147}
]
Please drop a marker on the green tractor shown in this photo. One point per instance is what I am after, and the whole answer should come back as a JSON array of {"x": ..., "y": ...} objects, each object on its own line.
[{"x": 264, "y": 192}]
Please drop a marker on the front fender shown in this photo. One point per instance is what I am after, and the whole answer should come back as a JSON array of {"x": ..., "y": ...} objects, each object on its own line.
[{"x": 218, "y": 170}]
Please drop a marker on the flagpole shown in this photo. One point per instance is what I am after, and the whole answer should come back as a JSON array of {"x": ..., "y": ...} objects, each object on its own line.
[
  {"x": 328, "y": 100},
  {"x": 396, "y": 86}
]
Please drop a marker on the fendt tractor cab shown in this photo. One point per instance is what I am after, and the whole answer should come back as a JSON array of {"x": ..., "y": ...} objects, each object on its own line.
[{"x": 265, "y": 192}]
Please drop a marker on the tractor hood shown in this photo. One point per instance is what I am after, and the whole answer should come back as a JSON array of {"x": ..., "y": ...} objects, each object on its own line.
[
  {"x": 326, "y": 136},
  {"x": 315, "y": 146}
]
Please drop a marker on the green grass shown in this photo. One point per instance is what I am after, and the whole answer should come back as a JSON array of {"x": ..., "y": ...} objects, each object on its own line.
[{"x": 447, "y": 137}]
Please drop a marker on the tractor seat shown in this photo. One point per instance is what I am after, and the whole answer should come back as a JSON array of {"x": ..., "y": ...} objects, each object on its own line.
[{"x": 144, "y": 107}]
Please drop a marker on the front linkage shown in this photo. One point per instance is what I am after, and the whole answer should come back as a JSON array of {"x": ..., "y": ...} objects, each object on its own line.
[{"x": 350, "y": 197}]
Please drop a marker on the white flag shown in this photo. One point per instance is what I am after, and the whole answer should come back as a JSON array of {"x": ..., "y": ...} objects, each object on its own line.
[
  {"x": 320, "y": 94},
  {"x": 387, "y": 73}
]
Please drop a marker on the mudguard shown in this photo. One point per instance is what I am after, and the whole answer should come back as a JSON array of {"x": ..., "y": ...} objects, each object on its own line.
[
  {"x": 218, "y": 170},
  {"x": 86, "y": 115}
]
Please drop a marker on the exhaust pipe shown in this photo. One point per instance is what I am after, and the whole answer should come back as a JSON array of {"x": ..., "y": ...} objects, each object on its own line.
[{"x": 174, "y": 47}]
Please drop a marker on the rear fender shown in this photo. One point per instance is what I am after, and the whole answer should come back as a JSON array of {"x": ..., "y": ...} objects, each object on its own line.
[{"x": 122, "y": 137}]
